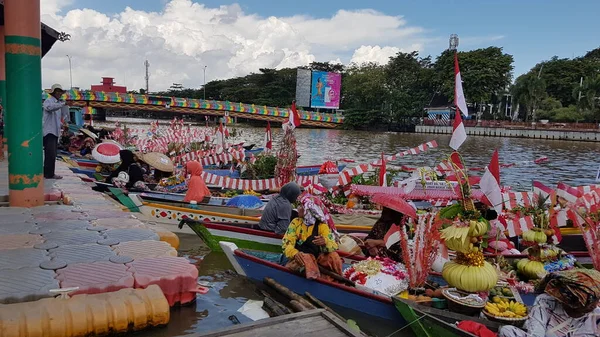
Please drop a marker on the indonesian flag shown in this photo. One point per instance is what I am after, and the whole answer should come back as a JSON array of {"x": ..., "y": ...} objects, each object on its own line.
[
  {"x": 490, "y": 183},
  {"x": 268, "y": 138},
  {"x": 541, "y": 189},
  {"x": 294, "y": 117},
  {"x": 567, "y": 192},
  {"x": 459, "y": 134},
  {"x": 392, "y": 236},
  {"x": 383, "y": 172},
  {"x": 459, "y": 96}
]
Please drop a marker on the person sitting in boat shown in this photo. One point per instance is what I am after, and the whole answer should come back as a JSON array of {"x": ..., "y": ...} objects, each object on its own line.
[
  {"x": 309, "y": 242},
  {"x": 129, "y": 174},
  {"x": 197, "y": 189},
  {"x": 567, "y": 308},
  {"x": 374, "y": 242},
  {"x": 277, "y": 214}
]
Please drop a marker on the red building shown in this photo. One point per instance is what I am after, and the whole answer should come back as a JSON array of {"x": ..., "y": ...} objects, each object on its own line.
[{"x": 108, "y": 86}]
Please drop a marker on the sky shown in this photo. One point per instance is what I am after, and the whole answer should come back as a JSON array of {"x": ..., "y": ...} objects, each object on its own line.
[{"x": 180, "y": 38}]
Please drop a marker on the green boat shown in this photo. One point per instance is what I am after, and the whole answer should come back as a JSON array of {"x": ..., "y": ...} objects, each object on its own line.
[{"x": 431, "y": 322}]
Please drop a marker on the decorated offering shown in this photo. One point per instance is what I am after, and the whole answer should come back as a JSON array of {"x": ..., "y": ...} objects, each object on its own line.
[{"x": 381, "y": 275}]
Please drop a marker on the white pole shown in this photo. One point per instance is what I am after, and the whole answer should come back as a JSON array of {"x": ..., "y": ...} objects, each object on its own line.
[{"x": 70, "y": 71}]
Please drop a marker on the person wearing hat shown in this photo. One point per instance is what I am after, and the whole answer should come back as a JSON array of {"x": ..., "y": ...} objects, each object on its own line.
[{"x": 55, "y": 112}]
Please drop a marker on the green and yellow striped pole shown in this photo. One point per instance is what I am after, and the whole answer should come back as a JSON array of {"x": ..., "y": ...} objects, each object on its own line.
[{"x": 24, "y": 115}]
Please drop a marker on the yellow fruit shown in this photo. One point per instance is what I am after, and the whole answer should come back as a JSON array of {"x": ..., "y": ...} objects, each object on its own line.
[
  {"x": 531, "y": 269},
  {"x": 535, "y": 235},
  {"x": 496, "y": 299},
  {"x": 470, "y": 278},
  {"x": 477, "y": 228}
]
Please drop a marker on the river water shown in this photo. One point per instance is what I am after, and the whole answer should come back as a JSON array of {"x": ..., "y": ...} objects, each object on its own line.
[{"x": 575, "y": 163}]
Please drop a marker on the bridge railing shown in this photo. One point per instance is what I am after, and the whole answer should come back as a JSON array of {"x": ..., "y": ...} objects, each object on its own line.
[
  {"x": 515, "y": 125},
  {"x": 98, "y": 96}
]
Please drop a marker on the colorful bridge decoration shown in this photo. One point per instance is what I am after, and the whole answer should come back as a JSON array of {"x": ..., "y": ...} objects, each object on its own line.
[{"x": 100, "y": 99}]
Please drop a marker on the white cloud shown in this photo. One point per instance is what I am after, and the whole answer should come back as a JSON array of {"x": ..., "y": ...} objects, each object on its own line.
[
  {"x": 379, "y": 54},
  {"x": 185, "y": 36}
]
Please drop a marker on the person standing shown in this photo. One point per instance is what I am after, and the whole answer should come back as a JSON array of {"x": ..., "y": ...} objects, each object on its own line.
[{"x": 55, "y": 111}]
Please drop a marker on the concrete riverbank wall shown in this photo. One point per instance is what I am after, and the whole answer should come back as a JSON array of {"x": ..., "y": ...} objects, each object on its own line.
[{"x": 557, "y": 134}]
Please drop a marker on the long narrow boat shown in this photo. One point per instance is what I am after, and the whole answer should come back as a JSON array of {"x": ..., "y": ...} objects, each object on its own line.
[
  {"x": 256, "y": 265},
  {"x": 432, "y": 322}
]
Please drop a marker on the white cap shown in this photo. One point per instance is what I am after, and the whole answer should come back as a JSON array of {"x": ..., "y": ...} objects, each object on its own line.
[
  {"x": 193, "y": 202},
  {"x": 56, "y": 86}
]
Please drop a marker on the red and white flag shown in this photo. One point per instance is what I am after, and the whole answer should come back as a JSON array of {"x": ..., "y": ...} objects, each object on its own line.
[
  {"x": 541, "y": 189},
  {"x": 490, "y": 183},
  {"x": 294, "y": 119},
  {"x": 268, "y": 138},
  {"x": 567, "y": 192},
  {"x": 459, "y": 134},
  {"x": 392, "y": 236},
  {"x": 459, "y": 95},
  {"x": 383, "y": 172},
  {"x": 220, "y": 139},
  {"x": 516, "y": 227}
]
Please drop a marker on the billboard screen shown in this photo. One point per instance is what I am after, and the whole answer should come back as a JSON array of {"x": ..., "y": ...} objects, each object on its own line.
[
  {"x": 303, "y": 87},
  {"x": 325, "y": 90}
]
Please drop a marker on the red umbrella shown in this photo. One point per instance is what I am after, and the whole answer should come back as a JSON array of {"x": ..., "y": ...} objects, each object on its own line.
[
  {"x": 396, "y": 203},
  {"x": 107, "y": 153}
]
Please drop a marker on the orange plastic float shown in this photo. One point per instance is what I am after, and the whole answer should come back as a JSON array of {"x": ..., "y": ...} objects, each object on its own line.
[{"x": 122, "y": 311}]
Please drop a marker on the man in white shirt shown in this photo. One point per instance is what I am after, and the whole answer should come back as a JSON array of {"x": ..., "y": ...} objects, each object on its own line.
[{"x": 55, "y": 112}]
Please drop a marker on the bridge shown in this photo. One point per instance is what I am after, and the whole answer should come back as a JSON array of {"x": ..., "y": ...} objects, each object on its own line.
[{"x": 98, "y": 99}]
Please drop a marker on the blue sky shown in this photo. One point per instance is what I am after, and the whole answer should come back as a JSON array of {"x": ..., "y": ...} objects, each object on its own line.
[
  {"x": 234, "y": 38},
  {"x": 531, "y": 30}
]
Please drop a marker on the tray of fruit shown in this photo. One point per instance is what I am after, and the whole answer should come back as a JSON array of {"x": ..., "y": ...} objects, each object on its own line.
[
  {"x": 507, "y": 312},
  {"x": 501, "y": 292}
]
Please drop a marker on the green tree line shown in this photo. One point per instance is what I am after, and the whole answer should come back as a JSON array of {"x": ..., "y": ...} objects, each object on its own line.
[{"x": 380, "y": 96}]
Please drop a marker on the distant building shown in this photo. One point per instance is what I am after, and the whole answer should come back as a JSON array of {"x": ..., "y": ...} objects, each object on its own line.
[{"x": 108, "y": 86}]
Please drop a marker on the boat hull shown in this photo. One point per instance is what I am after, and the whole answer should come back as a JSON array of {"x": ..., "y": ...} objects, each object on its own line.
[
  {"x": 245, "y": 238},
  {"x": 173, "y": 215},
  {"x": 368, "y": 304}
]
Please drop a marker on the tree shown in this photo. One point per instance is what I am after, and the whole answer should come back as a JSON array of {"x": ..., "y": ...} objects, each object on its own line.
[
  {"x": 409, "y": 80},
  {"x": 484, "y": 72},
  {"x": 364, "y": 91},
  {"x": 529, "y": 90},
  {"x": 327, "y": 66},
  {"x": 590, "y": 97}
]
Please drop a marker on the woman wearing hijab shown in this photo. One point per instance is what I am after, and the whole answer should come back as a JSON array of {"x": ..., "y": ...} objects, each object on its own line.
[
  {"x": 197, "y": 189},
  {"x": 309, "y": 242},
  {"x": 129, "y": 174},
  {"x": 567, "y": 308},
  {"x": 374, "y": 242},
  {"x": 278, "y": 212}
]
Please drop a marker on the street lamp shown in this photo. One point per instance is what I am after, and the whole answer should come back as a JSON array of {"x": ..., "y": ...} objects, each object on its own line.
[
  {"x": 70, "y": 71},
  {"x": 205, "y": 82}
]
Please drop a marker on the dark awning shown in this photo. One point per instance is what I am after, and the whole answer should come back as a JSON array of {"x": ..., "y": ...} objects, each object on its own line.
[{"x": 49, "y": 35}]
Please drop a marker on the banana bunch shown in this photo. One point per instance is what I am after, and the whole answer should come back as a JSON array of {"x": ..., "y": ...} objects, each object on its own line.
[
  {"x": 457, "y": 238},
  {"x": 531, "y": 269},
  {"x": 471, "y": 279},
  {"x": 477, "y": 228},
  {"x": 535, "y": 235},
  {"x": 510, "y": 309}
]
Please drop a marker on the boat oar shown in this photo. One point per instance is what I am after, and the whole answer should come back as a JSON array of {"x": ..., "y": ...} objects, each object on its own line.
[
  {"x": 336, "y": 276},
  {"x": 288, "y": 293}
]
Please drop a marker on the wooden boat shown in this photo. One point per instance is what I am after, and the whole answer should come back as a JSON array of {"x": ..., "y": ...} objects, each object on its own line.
[
  {"x": 257, "y": 265},
  {"x": 205, "y": 213},
  {"x": 316, "y": 322},
  {"x": 431, "y": 322},
  {"x": 246, "y": 237}
]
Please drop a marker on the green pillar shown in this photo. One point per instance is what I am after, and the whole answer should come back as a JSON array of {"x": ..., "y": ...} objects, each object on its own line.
[
  {"x": 2, "y": 88},
  {"x": 23, "y": 86}
]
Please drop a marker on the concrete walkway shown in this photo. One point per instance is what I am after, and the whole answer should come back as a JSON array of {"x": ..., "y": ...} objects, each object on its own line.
[{"x": 91, "y": 244}]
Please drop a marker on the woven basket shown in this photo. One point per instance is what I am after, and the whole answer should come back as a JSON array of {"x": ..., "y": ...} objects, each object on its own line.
[
  {"x": 518, "y": 322},
  {"x": 460, "y": 307}
]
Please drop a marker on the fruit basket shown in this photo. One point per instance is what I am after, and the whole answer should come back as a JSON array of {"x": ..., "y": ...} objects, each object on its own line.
[
  {"x": 463, "y": 303},
  {"x": 511, "y": 313}
]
